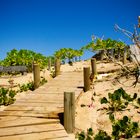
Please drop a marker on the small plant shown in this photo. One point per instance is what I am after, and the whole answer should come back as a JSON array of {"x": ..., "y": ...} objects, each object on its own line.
[
  {"x": 26, "y": 87},
  {"x": 85, "y": 136},
  {"x": 7, "y": 96},
  {"x": 11, "y": 82},
  {"x": 30, "y": 85},
  {"x": 52, "y": 73},
  {"x": 138, "y": 101},
  {"x": 118, "y": 100},
  {"x": 43, "y": 81},
  {"x": 102, "y": 135},
  {"x": 124, "y": 128}
]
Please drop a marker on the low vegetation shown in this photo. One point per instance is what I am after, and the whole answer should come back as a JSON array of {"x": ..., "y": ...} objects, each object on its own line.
[
  {"x": 26, "y": 87},
  {"x": 69, "y": 54},
  {"x": 25, "y": 57},
  {"x": 107, "y": 48},
  {"x": 118, "y": 100},
  {"x": 30, "y": 85},
  {"x": 7, "y": 96},
  {"x": 121, "y": 128}
]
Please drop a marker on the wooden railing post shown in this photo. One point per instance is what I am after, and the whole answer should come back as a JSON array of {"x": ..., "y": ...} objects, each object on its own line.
[
  {"x": 86, "y": 78},
  {"x": 69, "y": 111},
  {"x": 112, "y": 54},
  {"x": 57, "y": 67},
  {"x": 119, "y": 54},
  {"x": 49, "y": 64},
  {"x": 102, "y": 54},
  {"x": 93, "y": 67},
  {"x": 125, "y": 56},
  {"x": 36, "y": 75}
]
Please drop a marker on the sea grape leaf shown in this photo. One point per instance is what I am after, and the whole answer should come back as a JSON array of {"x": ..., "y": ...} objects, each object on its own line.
[
  {"x": 125, "y": 119},
  {"x": 135, "y": 96},
  {"x": 104, "y": 100},
  {"x": 111, "y": 117},
  {"x": 90, "y": 131}
]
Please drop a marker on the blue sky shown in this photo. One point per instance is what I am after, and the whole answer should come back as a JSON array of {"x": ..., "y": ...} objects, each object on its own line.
[{"x": 45, "y": 26}]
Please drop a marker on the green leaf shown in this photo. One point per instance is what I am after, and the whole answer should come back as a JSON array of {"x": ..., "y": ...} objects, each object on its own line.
[
  {"x": 135, "y": 96},
  {"x": 90, "y": 132},
  {"x": 104, "y": 100},
  {"x": 102, "y": 135},
  {"x": 111, "y": 117},
  {"x": 125, "y": 119},
  {"x": 81, "y": 136},
  {"x": 110, "y": 95},
  {"x": 12, "y": 93},
  {"x": 126, "y": 103},
  {"x": 138, "y": 101}
]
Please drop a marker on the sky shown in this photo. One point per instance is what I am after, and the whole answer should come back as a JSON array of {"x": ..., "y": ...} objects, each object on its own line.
[{"x": 45, "y": 26}]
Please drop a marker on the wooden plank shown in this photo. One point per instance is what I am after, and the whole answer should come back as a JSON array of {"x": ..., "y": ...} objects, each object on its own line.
[
  {"x": 43, "y": 97},
  {"x": 65, "y": 83},
  {"x": 40, "y": 104},
  {"x": 60, "y": 89},
  {"x": 38, "y": 114},
  {"x": 9, "y": 131},
  {"x": 29, "y": 108},
  {"x": 7, "y": 118},
  {"x": 60, "y": 135},
  {"x": 39, "y": 96},
  {"x": 38, "y": 101},
  {"x": 23, "y": 121},
  {"x": 72, "y": 81}
]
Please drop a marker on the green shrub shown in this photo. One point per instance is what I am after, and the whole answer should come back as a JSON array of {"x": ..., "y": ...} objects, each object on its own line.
[
  {"x": 43, "y": 81},
  {"x": 7, "y": 96},
  {"x": 118, "y": 100},
  {"x": 26, "y": 87},
  {"x": 30, "y": 85},
  {"x": 102, "y": 135},
  {"x": 124, "y": 128},
  {"x": 85, "y": 136}
]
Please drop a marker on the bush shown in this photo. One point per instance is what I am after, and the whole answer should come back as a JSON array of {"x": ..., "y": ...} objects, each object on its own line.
[
  {"x": 118, "y": 100},
  {"x": 7, "y": 96}
]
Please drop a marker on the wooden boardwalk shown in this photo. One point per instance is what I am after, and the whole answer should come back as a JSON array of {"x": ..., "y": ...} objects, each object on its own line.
[{"x": 35, "y": 116}]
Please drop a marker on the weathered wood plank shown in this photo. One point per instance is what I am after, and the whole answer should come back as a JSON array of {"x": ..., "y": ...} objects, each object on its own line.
[
  {"x": 7, "y": 118},
  {"x": 9, "y": 131},
  {"x": 50, "y": 101},
  {"x": 39, "y": 136},
  {"x": 29, "y": 108},
  {"x": 40, "y": 96},
  {"x": 23, "y": 121},
  {"x": 38, "y": 114},
  {"x": 40, "y": 104}
]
